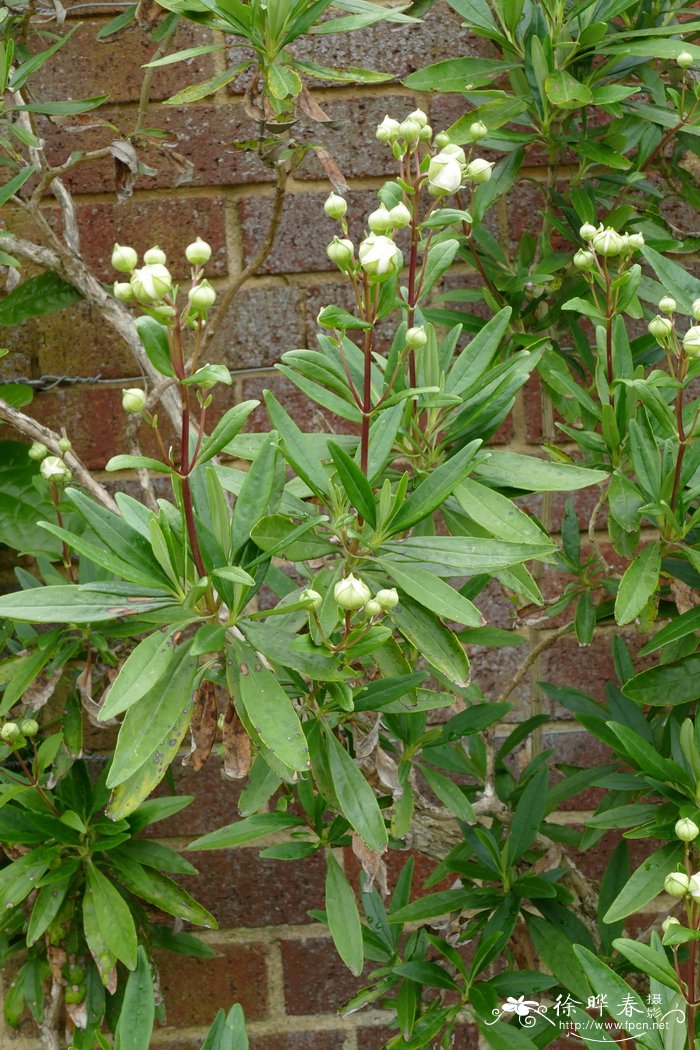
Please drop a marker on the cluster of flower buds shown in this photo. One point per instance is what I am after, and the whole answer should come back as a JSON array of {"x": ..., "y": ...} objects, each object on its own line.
[
  {"x": 662, "y": 326},
  {"x": 16, "y": 735},
  {"x": 604, "y": 242},
  {"x": 151, "y": 285},
  {"x": 353, "y": 595},
  {"x": 52, "y": 468},
  {"x": 679, "y": 883}
]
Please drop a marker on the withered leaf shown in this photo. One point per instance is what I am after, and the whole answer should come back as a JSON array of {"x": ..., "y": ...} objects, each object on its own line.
[
  {"x": 372, "y": 865},
  {"x": 126, "y": 168},
  {"x": 203, "y": 725},
  {"x": 237, "y": 753}
]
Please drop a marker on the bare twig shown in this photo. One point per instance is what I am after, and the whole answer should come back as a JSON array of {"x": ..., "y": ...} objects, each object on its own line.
[
  {"x": 544, "y": 643},
  {"x": 38, "y": 432}
]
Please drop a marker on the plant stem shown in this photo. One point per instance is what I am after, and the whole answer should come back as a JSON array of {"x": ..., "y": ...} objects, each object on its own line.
[
  {"x": 367, "y": 382},
  {"x": 682, "y": 436}
]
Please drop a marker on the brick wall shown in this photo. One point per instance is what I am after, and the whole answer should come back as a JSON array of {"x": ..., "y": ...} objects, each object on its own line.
[{"x": 270, "y": 955}]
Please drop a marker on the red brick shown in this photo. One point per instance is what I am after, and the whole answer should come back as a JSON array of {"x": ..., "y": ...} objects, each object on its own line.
[
  {"x": 77, "y": 342},
  {"x": 215, "y": 800},
  {"x": 240, "y": 889},
  {"x": 262, "y": 323},
  {"x": 114, "y": 65},
  {"x": 316, "y": 981},
  {"x": 195, "y": 989},
  {"x": 325, "y": 1040},
  {"x": 92, "y": 416},
  {"x": 307, "y": 414}
]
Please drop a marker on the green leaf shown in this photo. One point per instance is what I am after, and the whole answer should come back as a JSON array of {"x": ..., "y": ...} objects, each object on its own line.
[
  {"x": 566, "y": 92},
  {"x": 282, "y": 81},
  {"x": 266, "y": 707},
  {"x": 528, "y": 816},
  {"x": 294, "y": 447},
  {"x": 147, "y": 722},
  {"x": 154, "y": 337},
  {"x": 144, "y": 667},
  {"x": 434, "y": 490},
  {"x": 646, "y": 756},
  {"x": 160, "y": 890},
  {"x": 355, "y": 796},
  {"x": 228, "y": 1031},
  {"x": 125, "y": 462},
  {"x": 343, "y": 917},
  {"x": 257, "y": 826},
  {"x": 557, "y": 953},
  {"x": 357, "y": 488},
  {"x": 182, "y": 56},
  {"x": 667, "y": 684},
  {"x": 426, "y": 973},
  {"x": 460, "y": 555},
  {"x": 440, "y": 258},
  {"x": 638, "y": 584},
  {"x": 36, "y": 297},
  {"x": 646, "y": 882},
  {"x": 456, "y": 74},
  {"x": 17, "y": 395},
  {"x": 194, "y": 92},
  {"x": 9, "y": 190},
  {"x": 95, "y": 936},
  {"x": 434, "y": 905},
  {"x": 256, "y": 492},
  {"x": 649, "y": 960},
  {"x": 495, "y": 512},
  {"x": 67, "y": 107},
  {"x": 20, "y": 877},
  {"x": 46, "y": 907},
  {"x": 622, "y": 1002},
  {"x": 209, "y": 375},
  {"x": 512, "y": 470},
  {"x": 112, "y": 916},
  {"x": 675, "y": 279},
  {"x": 683, "y": 625},
  {"x": 22, "y": 503},
  {"x": 434, "y": 594},
  {"x": 435, "y": 642},
  {"x": 137, "y": 1013},
  {"x": 77, "y": 604},
  {"x": 336, "y": 317},
  {"x": 449, "y": 794}
]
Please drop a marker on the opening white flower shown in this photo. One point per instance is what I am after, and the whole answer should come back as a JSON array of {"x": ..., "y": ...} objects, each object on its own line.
[
  {"x": 445, "y": 173},
  {"x": 379, "y": 256},
  {"x": 520, "y": 1006}
]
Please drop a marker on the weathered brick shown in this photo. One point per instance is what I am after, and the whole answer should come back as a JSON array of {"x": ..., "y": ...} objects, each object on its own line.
[
  {"x": 215, "y": 800},
  {"x": 307, "y": 414},
  {"x": 316, "y": 981},
  {"x": 263, "y": 322},
  {"x": 242, "y": 890},
  {"x": 92, "y": 416},
  {"x": 77, "y": 342},
  {"x": 286, "y": 1040},
  {"x": 195, "y": 989}
]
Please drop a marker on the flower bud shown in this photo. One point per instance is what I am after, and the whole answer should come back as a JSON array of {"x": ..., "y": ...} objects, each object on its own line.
[
  {"x": 10, "y": 732},
  {"x": 684, "y": 60},
  {"x": 660, "y": 327},
  {"x": 686, "y": 829},
  {"x": 635, "y": 241},
  {"x": 30, "y": 727},
  {"x": 37, "y": 451},
  {"x": 477, "y": 131},
  {"x": 409, "y": 130},
  {"x": 608, "y": 242},
  {"x": 379, "y": 257},
  {"x": 151, "y": 283},
  {"x": 668, "y": 922},
  {"x": 677, "y": 884},
  {"x": 691, "y": 341},
  {"x": 341, "y": 252},
  {"x": 695, "y": 310},
  {"x": 198, "y": 253},
  {"x": 667, "y": 305},
  {"x": 388, "y": 130},
  {"x": 416, "y": 338},
  {"x": 388, "y": 598},
  {"x": 201, "y": 297},
  {"x": 373, "y": 608},
  {"x": 154, "y": 257},
  {"x": 311, "y": 598},
  {"x": 442, "y": 139},
  {"x": 124, "y": 258},
  {"x": 694, "y": 887},
  {"x": 64, "y": 444},
  {"x": 133, "y": 400},
  {"x": 426, "y": 133},
  {"x": 400, "y": 216},
  {"x": 351, "y": 593},
  {"x": 54, "y": 469},
  {"x": 479, "y": 170},
  {"x": 379, "y": 221},
  {"x": 123, "y": 291},
  {"x": 588, "y": 231},
  {"x": 584, "y": 260},
  {"x": 419, "y": 116},
  {"x": 335, "y": 207},
  {"x": 444, "y": 173}
]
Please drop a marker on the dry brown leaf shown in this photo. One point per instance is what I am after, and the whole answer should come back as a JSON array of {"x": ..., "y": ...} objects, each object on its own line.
[
  {"x": 332, "y": 170},
  {"x": 126, "y": 168},
  {"x": 41, "y": 690},
  {"x": 237, "y": 752},
  {"x": 203, "y": 725},
  {"x": 372, "y": 865}
]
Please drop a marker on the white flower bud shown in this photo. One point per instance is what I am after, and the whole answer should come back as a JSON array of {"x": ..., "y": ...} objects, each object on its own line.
[
  {"x": 684, "y": 60},
  {"x": 133, "y": 400},
  {"x": 311, "y": 598},
  {"x": 198, "y": 253},
  {"x": 154, "y": 257},
  {"x": 479, "y": 170},
  {"x": 608, "y": 242},
  {"x": 695, "y": 310},
  {"x": 202, "y": 297},
  {"x": 335, "y": 207},
  {"x": 351, "y": 593},
  {"x": 660, "y": 327},
  {"x": 416, "y": 338},
  {"x": 445, "y": 173},
  {"x": 29, "y": 727},
  {"x": 373, "y": 608},
  {"x": 588, "y": 231},
  {"x": 379, "y": 257},
  {"x": 677, "y": 884},
  {"x": 37, "y": 451},
  {"x": 691, "y": 341},
  {"x": 64, "y": 444},
  {"x": 400, "y": 216},
  {"x": 388, "y": 130},
  {"x": 151, "y": 283},
  {"x": 694, "y": 887},
  {"x": 419, "y": 116},
  {"x": 54, "y": 469},
  {"x": 388, "y": 598},
  {"x": 584, "y": 260},
  {"x": 442, "y": 139},
  {"x": 124, "y": 258},
  {"x": 10, "y": 732},
  {"x": 341, "y": 252},
  {"x": 668, "y": 922},
  {"x": 477, "y": 131},
  {"x": 667, "y": 304},
  {"x": 123, "y": 291},
  {"x": 409, "y": 130},
  {"x": 426, "y": 133},
  {"x": 686, "y": 829},
  {"x": 635, "y": 241},
  {"x": 379, "y": 221}
]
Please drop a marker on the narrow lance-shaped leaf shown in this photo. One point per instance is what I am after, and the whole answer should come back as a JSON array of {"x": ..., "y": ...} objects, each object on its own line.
[
  {"x": 113, "y": 917},
  {"x": 343, "y": 917},
  {"x": 638, "y": 584},
  {"x": 137, "y": 1013},
  {"x": 646, "y": 882},
  {"x": 355, "y": 796}
]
